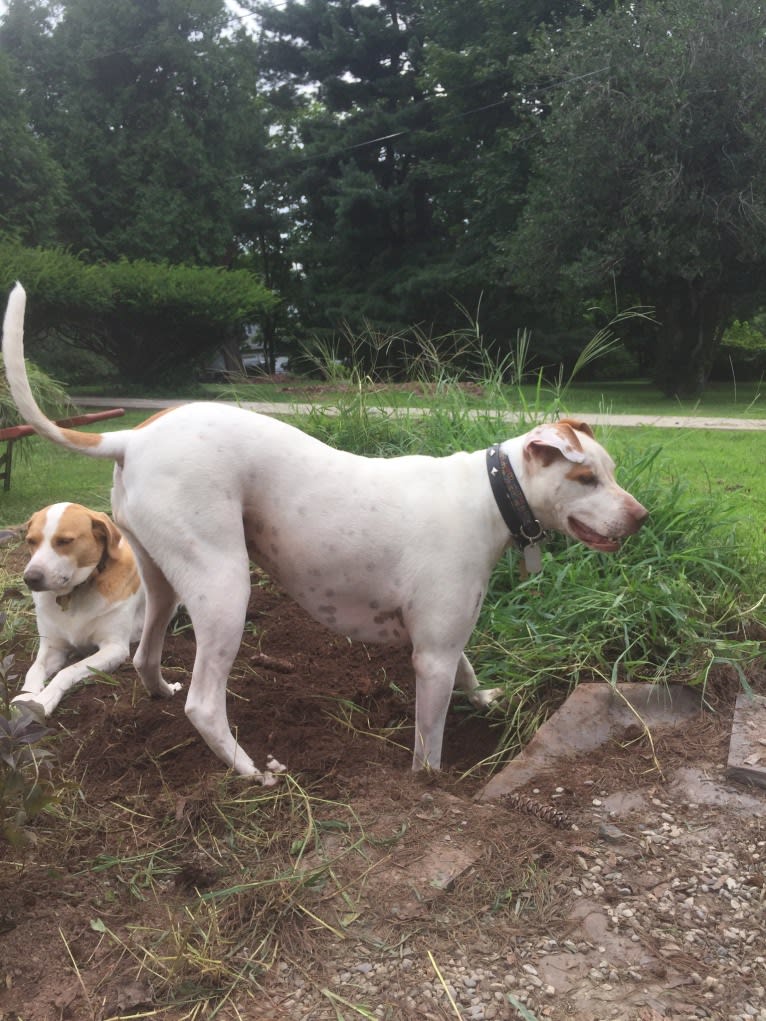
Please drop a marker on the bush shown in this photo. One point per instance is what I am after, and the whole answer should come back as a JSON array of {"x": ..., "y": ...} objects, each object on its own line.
[{"x": 50, "y": 395}]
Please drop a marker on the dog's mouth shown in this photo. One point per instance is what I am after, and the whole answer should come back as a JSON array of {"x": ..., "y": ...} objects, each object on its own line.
[{"x": 594, "y": 540}]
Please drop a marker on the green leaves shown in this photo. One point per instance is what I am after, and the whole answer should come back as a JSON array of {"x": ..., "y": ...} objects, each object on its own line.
[
  {"x": 25, "y": 790},
  {"x": 147, "y": 318},
  {"x": 648, "y": 169}
]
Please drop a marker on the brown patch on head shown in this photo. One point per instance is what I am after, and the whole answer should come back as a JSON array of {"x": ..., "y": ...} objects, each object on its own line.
[
  {"x": 77, "y": 536},
  {"x": 558, "y": 439},
  {"x": 34, "y": 529},
  {"x": 583, "y": 474},
  {"x": 109, "y": 534},
  {"x": 581, "y": 427}
]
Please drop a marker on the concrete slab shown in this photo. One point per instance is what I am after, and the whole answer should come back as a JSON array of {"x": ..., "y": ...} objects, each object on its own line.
[
  {"x": 747, "y": 747},
  {"x": 592, "y": 715}
]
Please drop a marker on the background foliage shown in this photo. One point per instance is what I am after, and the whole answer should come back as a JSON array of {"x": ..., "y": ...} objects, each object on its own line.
[{"x": 539, "y": 164}]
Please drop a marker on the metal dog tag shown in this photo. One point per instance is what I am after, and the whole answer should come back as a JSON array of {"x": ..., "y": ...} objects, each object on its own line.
[{"x": 533, "y": 560}]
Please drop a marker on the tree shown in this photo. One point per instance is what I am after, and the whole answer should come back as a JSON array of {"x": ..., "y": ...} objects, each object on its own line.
[
  {"x": 343, "y": 78},
  {"x": 151, "y": 109},
  {"x": 31, "y": 183},
  {"x": 649, "y": 172}
]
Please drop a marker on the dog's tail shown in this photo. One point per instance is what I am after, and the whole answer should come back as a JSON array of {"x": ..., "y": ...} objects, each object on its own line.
[{"x": 107, "y": 445}]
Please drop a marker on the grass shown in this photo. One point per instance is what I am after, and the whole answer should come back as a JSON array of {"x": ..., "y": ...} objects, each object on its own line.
[
  {"x": 44, "y": 474},
  {"x": 639, "y": 397}
]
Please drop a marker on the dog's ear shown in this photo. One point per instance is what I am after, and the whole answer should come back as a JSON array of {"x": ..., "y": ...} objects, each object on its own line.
[
  {"x": 578, "y": 426},
  {"x": 546, "y": 442},
  {"x": 107, "y": 532}
]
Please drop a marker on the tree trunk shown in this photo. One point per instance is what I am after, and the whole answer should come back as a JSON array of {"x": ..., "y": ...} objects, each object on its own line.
[{"x": 691, "y": 322}]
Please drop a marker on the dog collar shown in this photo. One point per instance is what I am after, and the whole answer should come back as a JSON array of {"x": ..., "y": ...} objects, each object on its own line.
[{"x": 524, "y": 527}]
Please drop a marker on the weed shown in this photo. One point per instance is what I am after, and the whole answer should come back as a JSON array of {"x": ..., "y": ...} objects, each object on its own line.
[{"x": 25, "y": 787}]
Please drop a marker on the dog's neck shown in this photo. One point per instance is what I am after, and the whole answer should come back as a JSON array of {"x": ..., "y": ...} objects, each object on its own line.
[{"x": 526, "y": 530}]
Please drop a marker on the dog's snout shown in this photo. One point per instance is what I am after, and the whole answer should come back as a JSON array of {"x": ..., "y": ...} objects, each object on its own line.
[
  {"x": 638, "y": 513},
  {"x": 34, "y": 579}
]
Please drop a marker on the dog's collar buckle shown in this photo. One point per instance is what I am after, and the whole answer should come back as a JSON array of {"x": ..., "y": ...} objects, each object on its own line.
[{"x": 525, "y": 528}]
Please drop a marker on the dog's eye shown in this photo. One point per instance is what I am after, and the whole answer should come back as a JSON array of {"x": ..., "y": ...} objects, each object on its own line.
[
  {"x": 588, "y": 479},
  {"x": 64, "y": 541}
]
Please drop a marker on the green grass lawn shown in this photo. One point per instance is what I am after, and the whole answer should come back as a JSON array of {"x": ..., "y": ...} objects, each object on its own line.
[
  {"x": 724, "y": 400},
  {"x": 726, "y": 466}
]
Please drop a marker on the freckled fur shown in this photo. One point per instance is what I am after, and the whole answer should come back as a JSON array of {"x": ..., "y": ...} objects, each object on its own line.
[{"x": 408, "y": 542}]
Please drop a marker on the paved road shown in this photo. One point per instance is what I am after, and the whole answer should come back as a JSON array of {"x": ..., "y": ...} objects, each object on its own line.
[{"x": 658, "y": 421}]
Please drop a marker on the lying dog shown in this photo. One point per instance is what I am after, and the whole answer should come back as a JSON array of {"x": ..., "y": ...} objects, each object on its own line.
[
  {"x": 88, "y": 597},
  {"x": 395, "y": 550}
]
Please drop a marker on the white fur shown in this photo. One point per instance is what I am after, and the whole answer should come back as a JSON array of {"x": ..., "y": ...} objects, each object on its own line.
[{"x": 393, "y": 550}]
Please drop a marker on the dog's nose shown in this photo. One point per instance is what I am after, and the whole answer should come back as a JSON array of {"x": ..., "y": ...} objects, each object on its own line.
[
  {"x": 34, "y": 579},
  {"x": 638, "y": 512}
]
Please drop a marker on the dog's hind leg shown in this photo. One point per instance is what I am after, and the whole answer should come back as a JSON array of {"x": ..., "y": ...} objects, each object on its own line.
[
  {"x": 161, "y": 603},
  {"x": 217, "y": 612}
]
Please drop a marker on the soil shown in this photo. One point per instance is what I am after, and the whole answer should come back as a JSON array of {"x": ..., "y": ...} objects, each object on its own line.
[{"x": 158, "y": 886}]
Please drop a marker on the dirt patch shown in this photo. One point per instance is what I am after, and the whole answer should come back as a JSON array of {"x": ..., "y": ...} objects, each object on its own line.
[{"x": 160, "y": 887}]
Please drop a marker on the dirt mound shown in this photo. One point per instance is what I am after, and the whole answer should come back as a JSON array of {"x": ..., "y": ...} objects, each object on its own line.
[{"x": 160, "y": 887}]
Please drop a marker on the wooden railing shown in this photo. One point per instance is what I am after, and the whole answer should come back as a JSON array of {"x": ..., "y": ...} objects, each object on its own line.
[{"x": 18, "y": 432}]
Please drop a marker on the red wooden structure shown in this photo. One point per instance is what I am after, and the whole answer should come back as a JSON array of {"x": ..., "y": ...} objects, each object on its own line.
[{"x": 17, "y": 432}]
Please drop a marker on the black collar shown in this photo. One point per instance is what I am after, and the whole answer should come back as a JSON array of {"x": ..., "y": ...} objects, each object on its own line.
[{"x": 511, "y": 502}]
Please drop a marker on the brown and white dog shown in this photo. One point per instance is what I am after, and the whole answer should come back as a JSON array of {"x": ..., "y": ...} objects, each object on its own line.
[
  {"x": 88, "y": 598},
  {"x": 395, "y": 550}
]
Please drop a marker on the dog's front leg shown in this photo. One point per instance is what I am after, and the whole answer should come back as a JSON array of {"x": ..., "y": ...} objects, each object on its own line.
[
  {"x": 49, "y": 659},
  {"x": 106, "y": 659},
  {"x": 435, "y": 675}
]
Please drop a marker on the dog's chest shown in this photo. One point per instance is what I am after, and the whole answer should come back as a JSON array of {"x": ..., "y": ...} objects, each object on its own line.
[{"x": 82, "y": 619}]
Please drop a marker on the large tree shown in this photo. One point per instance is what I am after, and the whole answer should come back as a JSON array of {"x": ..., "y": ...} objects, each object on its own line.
[
  {"x": 31, "y": 183},
  {"x": 650, "y": 169},
  {"x": 150, "y": 109},
  {"x": 344, "y": 76},
  {"x": 402, "y": 130}
]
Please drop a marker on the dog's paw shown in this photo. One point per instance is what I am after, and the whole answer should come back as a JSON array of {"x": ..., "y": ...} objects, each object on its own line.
[
  {"x": 482, "y": 698},
  {"x": 30, "y": 700},
  {"x": 165, "y": 690},
  {"x": 273, "y": 770}
]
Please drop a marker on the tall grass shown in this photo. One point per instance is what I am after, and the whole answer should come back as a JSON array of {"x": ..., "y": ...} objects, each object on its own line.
[
  {"x": 50, "y": 395},
  {"x": 684, "y": 595}
]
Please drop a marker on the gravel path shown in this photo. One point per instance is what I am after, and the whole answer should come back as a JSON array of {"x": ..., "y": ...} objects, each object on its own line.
[{"x": 597, "y": 419}]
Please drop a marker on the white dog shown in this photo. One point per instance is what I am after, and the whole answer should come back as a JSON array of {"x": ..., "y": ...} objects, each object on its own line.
[
  {"x": 88, "y": 597},
  {"x": 395, "y": 550}
]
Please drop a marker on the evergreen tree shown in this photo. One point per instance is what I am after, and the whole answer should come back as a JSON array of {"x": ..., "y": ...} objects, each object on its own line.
[
  {"x": 150, "y": 108},
  {"x": 31, "y": 184}
]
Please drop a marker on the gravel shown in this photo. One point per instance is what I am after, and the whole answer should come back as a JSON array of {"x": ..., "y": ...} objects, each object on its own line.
[{"x": 661, "y": 915}]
